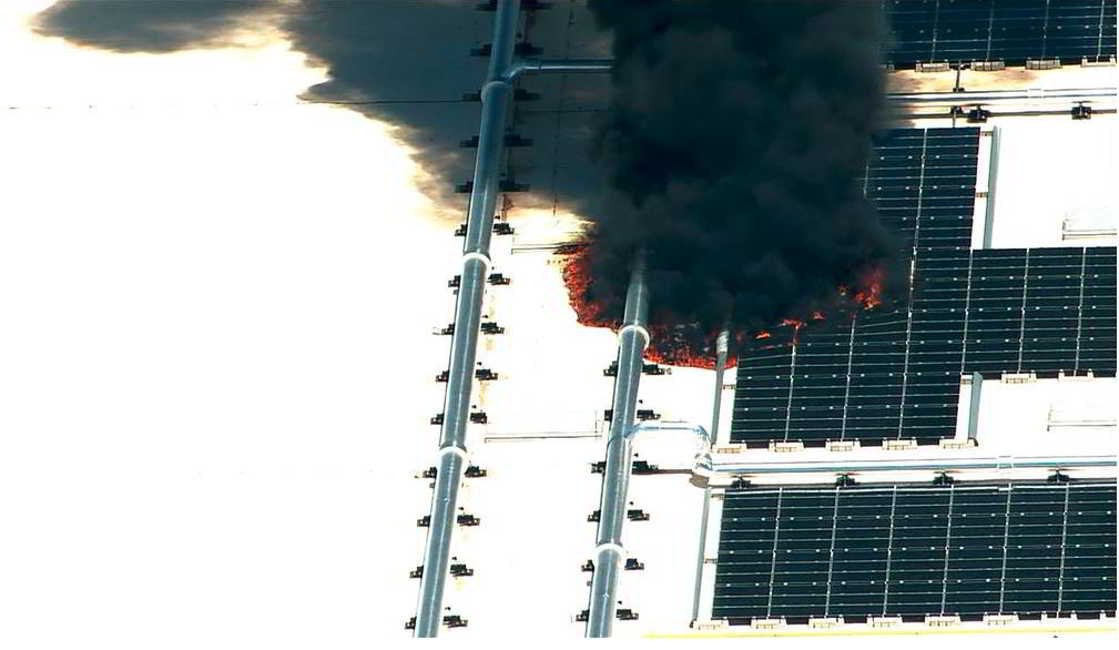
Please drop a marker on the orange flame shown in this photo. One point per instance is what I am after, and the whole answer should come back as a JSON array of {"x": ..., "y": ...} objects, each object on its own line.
[
  {"x": 666, "y": 347},
  {"x": 871, "y": 296},
  {"x": 796, "y": 325}
]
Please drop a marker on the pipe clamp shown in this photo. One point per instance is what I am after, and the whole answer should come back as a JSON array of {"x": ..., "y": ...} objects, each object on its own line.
[
  {"x": 475, "y": 255},
  {"x": 640, "y": 329}
]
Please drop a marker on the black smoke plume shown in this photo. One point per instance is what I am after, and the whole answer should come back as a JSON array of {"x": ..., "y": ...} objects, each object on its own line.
[
  {"x": 735, "y": 136},
  {"x": 407, "y": 63},
  {"x": 734, "y": 132},
  {"x": 148, "y": 25}
]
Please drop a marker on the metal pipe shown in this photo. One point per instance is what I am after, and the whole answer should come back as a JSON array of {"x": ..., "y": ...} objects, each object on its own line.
[
  {"x": 609, "y": 549},
  {"x": 522, "y": 66},
  {"x": 999, "y": 96},
  {"x": 992, "y": 180},
  {"x": 704, "y": 521},
  {"x": 632, "y": 340},
  {"x": 935, "y": 464},
  {"x": 464, "y": 345},
  {"x": 721, "y": 345},
  {"x": 973, "y": 407},
  {"x": 605, "y": 65},
  {"x": 705, "y": 516}
]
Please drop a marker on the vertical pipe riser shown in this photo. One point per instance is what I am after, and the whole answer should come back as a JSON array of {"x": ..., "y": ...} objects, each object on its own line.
[
  {"x": 992, "y": 179},
  {"x": 973, "y": 407},
  {"x": 703, "y": 460},
  {"x": 721, "y": 350}
]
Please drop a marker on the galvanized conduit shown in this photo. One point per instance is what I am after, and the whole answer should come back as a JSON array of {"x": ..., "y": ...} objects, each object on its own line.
[{"x": 453, "y": 457}]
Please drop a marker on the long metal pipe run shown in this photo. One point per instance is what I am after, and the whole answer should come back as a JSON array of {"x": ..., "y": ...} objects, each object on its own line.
[
  {"x": 1001, "y": 96},
  {"x": 947, "y": 97},
  {"x": 632, "y": 340},
  {"x": 935, "y": 464},
  {"x": 464, "y": 345},
  {"x": 495, "y": 96}
]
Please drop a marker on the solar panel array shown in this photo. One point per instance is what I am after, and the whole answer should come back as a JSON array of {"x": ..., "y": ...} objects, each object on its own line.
[
  {"x": 1045, "y": 311},
  {"x": 896, "y": 375},
  {"x": 1042, "y": 310},
  {"x": 1025, "y": 548},
  {"x": 860, "y": 381},
  {"x": 1011, "y": 31}
]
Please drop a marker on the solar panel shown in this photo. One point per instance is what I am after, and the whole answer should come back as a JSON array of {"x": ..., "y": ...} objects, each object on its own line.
[
  {"x": 1010, "y": 31},
  {"x": 967, "y": 550},
  {"x": 877, "y": 378},
  {"x": 1041, "y": 310},
  {"x": 896, "y": 375}
]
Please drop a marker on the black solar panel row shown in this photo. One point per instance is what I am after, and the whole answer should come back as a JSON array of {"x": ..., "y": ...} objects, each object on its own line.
[
  {"x": 896, "y": 375},
  {"x": 893, "y": 375},
  {"x": 1041, "y": 310},
  {"x": 854, "y": 383},
  {"x": 1011, "y": 31},
  {"x": 864, "y": 381},
  {"x": 1024, "y": 548},
  {"x": 922, "y": 182}
]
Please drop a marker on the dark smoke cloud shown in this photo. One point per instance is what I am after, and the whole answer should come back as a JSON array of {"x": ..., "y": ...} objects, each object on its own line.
[
  {"x": 396, "y": 53},
  {"x": 733, "y": 135},
  {"x": 147, "y": 25},
  {"x": 734, "y": 139},
  {"x": 404, "y": 62}
]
